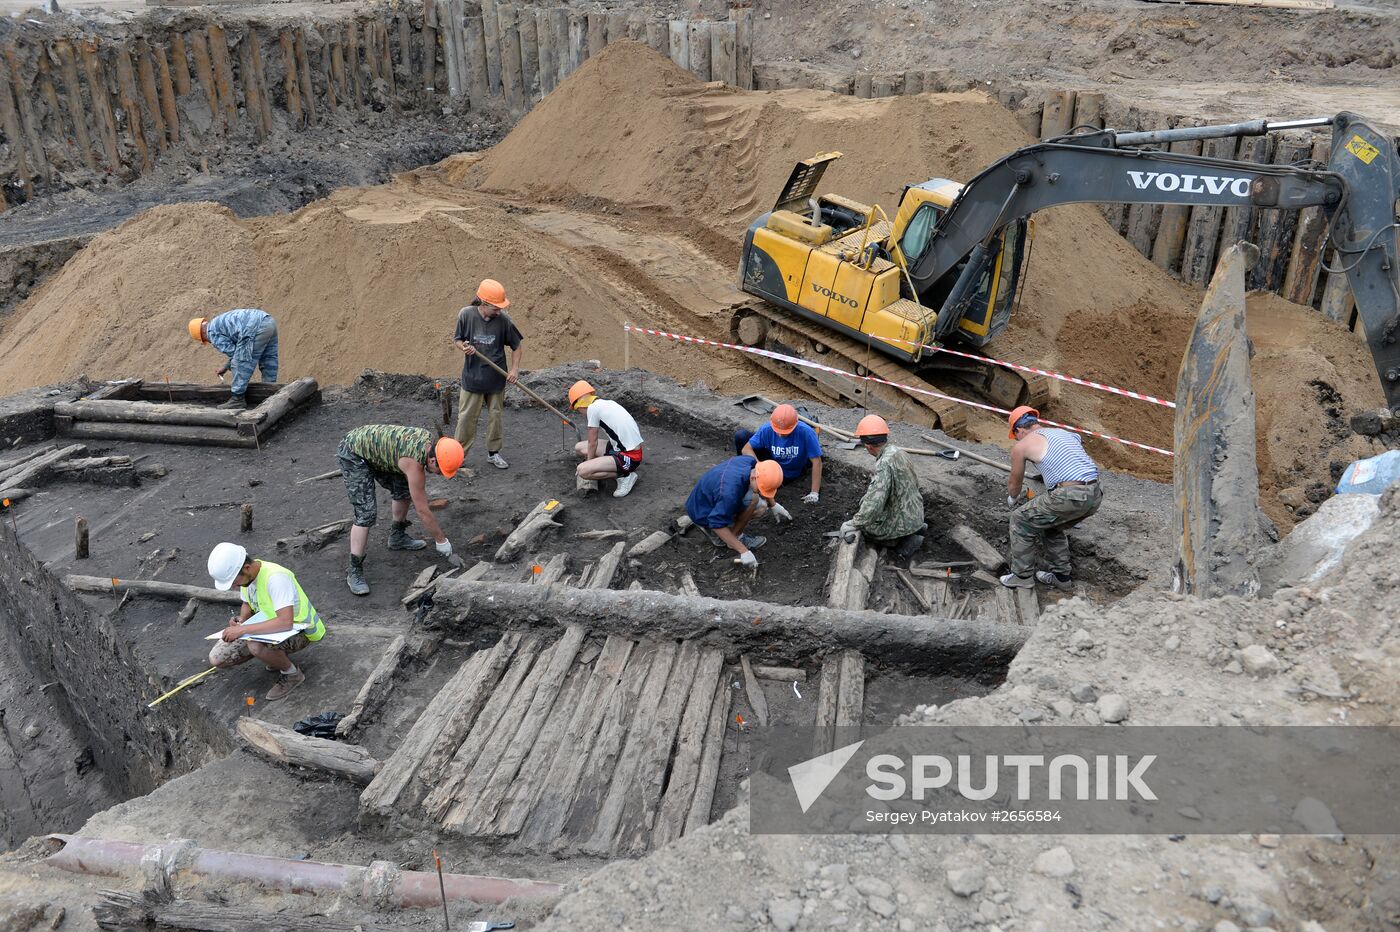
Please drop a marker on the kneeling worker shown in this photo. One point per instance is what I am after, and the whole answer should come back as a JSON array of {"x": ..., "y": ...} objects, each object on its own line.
[
  {"x": 273, "y": 592},
  {"x": 399, "y": 459},
  {"x": 620, "y": 452},
  {"x": 891, "y": 513},
  {"x": 724, "y": 501},
  {"x": 790, "y": 443},
  {"x": 1072, "y": 493},
  {"x": 248, "y": 337}
]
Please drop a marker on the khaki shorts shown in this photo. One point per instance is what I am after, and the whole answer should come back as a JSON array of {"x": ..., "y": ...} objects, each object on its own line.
[{"x": 225, "y": 654}]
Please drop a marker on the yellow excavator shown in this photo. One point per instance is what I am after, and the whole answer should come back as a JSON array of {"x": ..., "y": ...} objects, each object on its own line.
[{"x": 840, "y": 283}]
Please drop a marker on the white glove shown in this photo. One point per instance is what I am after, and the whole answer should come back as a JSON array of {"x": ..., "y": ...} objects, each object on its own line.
[
  {"x": 746, "y": 559},
  {"x": 444, "y": 547},
  {"x": 811, "y": 498},
  {"x": 848, "y": 527},
  {"x": 1010, "y": 502},
  {"x": 781, "y": 514}
]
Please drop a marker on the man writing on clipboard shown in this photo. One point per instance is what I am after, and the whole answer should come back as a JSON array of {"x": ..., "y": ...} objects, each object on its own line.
[{"x": 288, "y": 622}]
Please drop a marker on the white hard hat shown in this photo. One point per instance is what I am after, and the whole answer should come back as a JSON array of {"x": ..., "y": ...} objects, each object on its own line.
[{"x": 225, "y": 562}]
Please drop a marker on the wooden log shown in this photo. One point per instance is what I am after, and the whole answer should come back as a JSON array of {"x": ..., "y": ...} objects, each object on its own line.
[
  {"x": 529, "y": 55},
  {"x": 36, "y": 467},
  {"x": 538, "y": 521},
  {"x": 757, "y": 701},
  {"x": 549, "y": 65},
  {"x": 850, "y": 698},
  {"x": 110, "y": 586},
  {"x": 291, "y": 80},
  {"x": 1276, "y": 227},
  {"x": 546, "y": 819},
  {"x": 653, "y": 541},
  {"x": 340, "y": 80},
  {"x": 169, "y": 104},
  {"x": 680, "y": 43},
  {"x": 150, "y": 96},
  {"x": 480, "y": 808},
  {"x": 715, "y": 730},
  {"x": 1305, "y": 261},
  {"x": 131, "y": 108},
  {"x": 606, "y": 569},
  {"x": 1057, "y": 116},
  {"x": 306, "y": 88},
  {"x": 560, "y": 25},
  {"x": 28, "y": 121},
  {"x": 296, "y": 750},
  {"x": 864, "y": 87},
  {"x": 914, "y": 590},
  {"x": 1171, "y": 232},
  {"x": 246, "y": 517},
  {"x": 289, "y": 398},
  {"x": 1088, "y": 110},
  {"x": 977, "y": 547},
  {"x": 454, "y": 45},
  {"x": 56, "y": 132},
  {"x": 356, "y": 94},
  {"x": 437, "y": 732},
  {"x": 204, "y": 73},
  {"x": 9, "y": 463},
  {"x": 101, "y": 103},
  {"x": 512, "y": 71},
  {"x": 700, "y": 49},
  {"x": 1239, "y": 224},
  {"x": 264, "y": 114},
  {"x": 1337, "y": 302},
  {"x": 724, "y": 63},
  {"x": 658, "y": 38},
  {"x": 73, "y": 98},
  {"x": 597, "y": 33},
  {"x": 179, "y": 64},
  {"x": 1203, "y": 229},
  {"x": 491, "y": 33},
  {"x": 780, "y": 674},
  {"x": 688, "y": 584},
  {"x": 743, "y": 46},
  {"x": 828, "y": 694},
  {"x": 407, "y": 74},
  {"x": 222, "y": 66},
  {"x": 476, "y": 759},
  {"x": 647, "y": 721},
  {"x": 685, "y": 770},
  {"x": 80, "y": 538},
  {"x": 461, "y": 747},
  {"x": 637, "y": 26},
  {"x": 376, "y": 688},
  {"x": 615, "y": 28},
  {"x": 552, "y": 571},
  {"x": 852, "y": 569},
  {"x": 1027, "y": 607},
  {"x": 9, "y": 123},
  {"x": 578, "y": 39},
  {"x": 428, "y": 48},
  {"x": 145, "y": 412},
  {"x": 526, "y": 790},
  {"x": 473, "y": 52},
  {"x": 882, "y": 85}
]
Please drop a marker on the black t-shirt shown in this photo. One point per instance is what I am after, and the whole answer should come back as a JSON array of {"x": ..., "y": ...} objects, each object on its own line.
[{"x": 490, "y": 337}]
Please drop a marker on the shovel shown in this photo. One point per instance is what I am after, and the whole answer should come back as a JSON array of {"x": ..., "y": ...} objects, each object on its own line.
[{"x": 531, "y": 392}]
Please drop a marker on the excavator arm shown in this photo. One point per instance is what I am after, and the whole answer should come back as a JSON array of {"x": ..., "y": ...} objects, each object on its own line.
[{"x": 1358, "y": 191}]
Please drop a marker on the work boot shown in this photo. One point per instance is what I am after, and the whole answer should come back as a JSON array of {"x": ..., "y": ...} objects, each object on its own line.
[
  {"x": 497, "y": 460},
  {"x": 355, "y": 579},
  {"x": 908, "y": 546},
  {"x": 399, "y": 539},
  {"x": 1054, "y": 579},
  {"x": 1013, "y": 581},
  {"x": 624, "y": 485},
  {"x": 285, "y": 684},
  {"x": 235, "y": 403},
  {"x": 752, "y": 541}
]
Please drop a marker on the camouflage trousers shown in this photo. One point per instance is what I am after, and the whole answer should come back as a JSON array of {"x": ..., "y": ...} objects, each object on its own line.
[
  {"x": 360, "y": 480},
  {"x": 1042, "y": 522}
]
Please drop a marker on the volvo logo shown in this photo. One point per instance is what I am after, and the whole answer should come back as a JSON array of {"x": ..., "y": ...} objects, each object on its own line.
[
  {"x": 827, "y": 292},
  {"x": 1190, "y": 184}
]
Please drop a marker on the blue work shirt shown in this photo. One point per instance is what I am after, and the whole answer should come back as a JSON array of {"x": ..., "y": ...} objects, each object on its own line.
[
  {"x": 233, "y": 327},
  {"x": 718, "y": 497},
  {"x": 792, "y": 452}
]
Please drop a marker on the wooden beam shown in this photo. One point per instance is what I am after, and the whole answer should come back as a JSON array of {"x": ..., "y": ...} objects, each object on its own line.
[
  {"x": 145, "y": 412},
  {"x": 699, "y": 49},
  {"x": 179, "y": 64},
  {"x": 296, "y": 750},
  {"x": 150, "y": 96},
  {"x": 73, "y": 98},
  {"x": 101, "y": 103},
  {"x": 1276, "y": 227},
  {"x": 1171, "y": 233},
  {"x": 685, "y": 769},
  {"x": 110, "y": 586},
  {"x": 606, "y": 569},
  {"x": 375, "y": 689},
  {"x": 152, "y": 433},
  {"x": 977, "y": 547},
  {"x": 529, "y": 785},
  {"x": 653, "y": 541},
  {"x": 850, "y": 698},
  {"x": 1058, "y": 115},
  {"x": 291, "y": 82},
  {"x": 757, "y": 701},
  {"x": 303, "y": 64},
  {"x": 1203, "y": 229},
  {"x": 828, "y": 694},
  {"x": 710, "y": 756},
  {"x": 35, "y": 467},
  {"x": 289, "y": 398},
  {"x": 169, "y": 104},
  {"x": 537, "y": 522},
  {"x": 1305, "y": 260},
  {"x": 204, "y": 73},
  {"x": 223, "y": 75}
]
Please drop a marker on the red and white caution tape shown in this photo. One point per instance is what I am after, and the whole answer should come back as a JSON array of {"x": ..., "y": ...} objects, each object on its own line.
[
  {"x": 1088, "y": 383},
  {"x": 808, "y": 364}
]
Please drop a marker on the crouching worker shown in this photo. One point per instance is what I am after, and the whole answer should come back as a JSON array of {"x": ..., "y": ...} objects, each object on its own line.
[
  {"x": 891, "y": 513},
  {"x": 1072, "y": 493},
  {"x": 732, "y": 494},
  {"x": 248, "y": 337},
  {"x": 399, "y": 459},
  {"x": 790, "y": 443},
  {"x": 619, "y": 452},
  {"x": 271, "y": 591}
]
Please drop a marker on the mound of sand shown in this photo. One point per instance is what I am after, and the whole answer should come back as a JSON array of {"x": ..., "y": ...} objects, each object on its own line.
[{"x": 622, "y": 196}]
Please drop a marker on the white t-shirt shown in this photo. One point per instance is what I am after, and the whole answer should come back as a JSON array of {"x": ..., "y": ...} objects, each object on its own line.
[
  {"x": 613, "y": 419},
  {"x": 280, "y": 589}
]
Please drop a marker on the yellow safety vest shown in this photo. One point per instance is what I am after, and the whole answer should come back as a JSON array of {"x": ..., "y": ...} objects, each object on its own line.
[{"x": 305, "y": 618}]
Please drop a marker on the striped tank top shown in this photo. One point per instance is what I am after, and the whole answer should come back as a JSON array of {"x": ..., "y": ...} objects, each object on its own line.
[{"x": 1065, "y": 459}]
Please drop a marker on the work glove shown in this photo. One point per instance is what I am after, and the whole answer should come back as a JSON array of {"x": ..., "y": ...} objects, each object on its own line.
[
  {"x": 747, "y": 559},
  {"x": 444, "y": 547},
  {"x": 811, "y": 498},
  {"x": 848, "y": 531},
  {"x": 781, "y": 514},
  {"x": 1010, "y": 502}
]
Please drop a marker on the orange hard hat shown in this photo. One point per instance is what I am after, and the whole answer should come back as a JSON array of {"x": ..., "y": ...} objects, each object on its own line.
[
  {"x": 449, "y": 455},
  {"x": 197, "y": 329},
  {"x": 579, "y": 391},
  {"x": 872, "y": 425},
  {"x": 783, "y": 420},
  {"x": 492, "y": 292},
  {"x": 770, "y": 477},
  {"x": 1016, "y": 415}
]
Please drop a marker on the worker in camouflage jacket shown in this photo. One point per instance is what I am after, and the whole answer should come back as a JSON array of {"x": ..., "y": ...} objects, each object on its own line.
[
  {"x": 891, "y": 513},
  {"x": 248, "y": 337}
]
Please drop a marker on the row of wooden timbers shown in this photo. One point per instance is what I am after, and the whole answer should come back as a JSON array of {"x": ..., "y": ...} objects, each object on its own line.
[{"x": 580, "y": 730}]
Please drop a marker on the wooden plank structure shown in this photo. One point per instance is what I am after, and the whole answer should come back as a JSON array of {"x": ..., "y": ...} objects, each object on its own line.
[{"x": 568, "y": 745}]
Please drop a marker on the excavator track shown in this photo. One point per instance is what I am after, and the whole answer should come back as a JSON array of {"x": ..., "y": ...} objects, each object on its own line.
[{"x": 759, "y": 324}]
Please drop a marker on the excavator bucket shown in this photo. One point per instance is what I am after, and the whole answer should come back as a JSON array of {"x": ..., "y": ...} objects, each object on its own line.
[{"x": 1216, "y": 479}]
